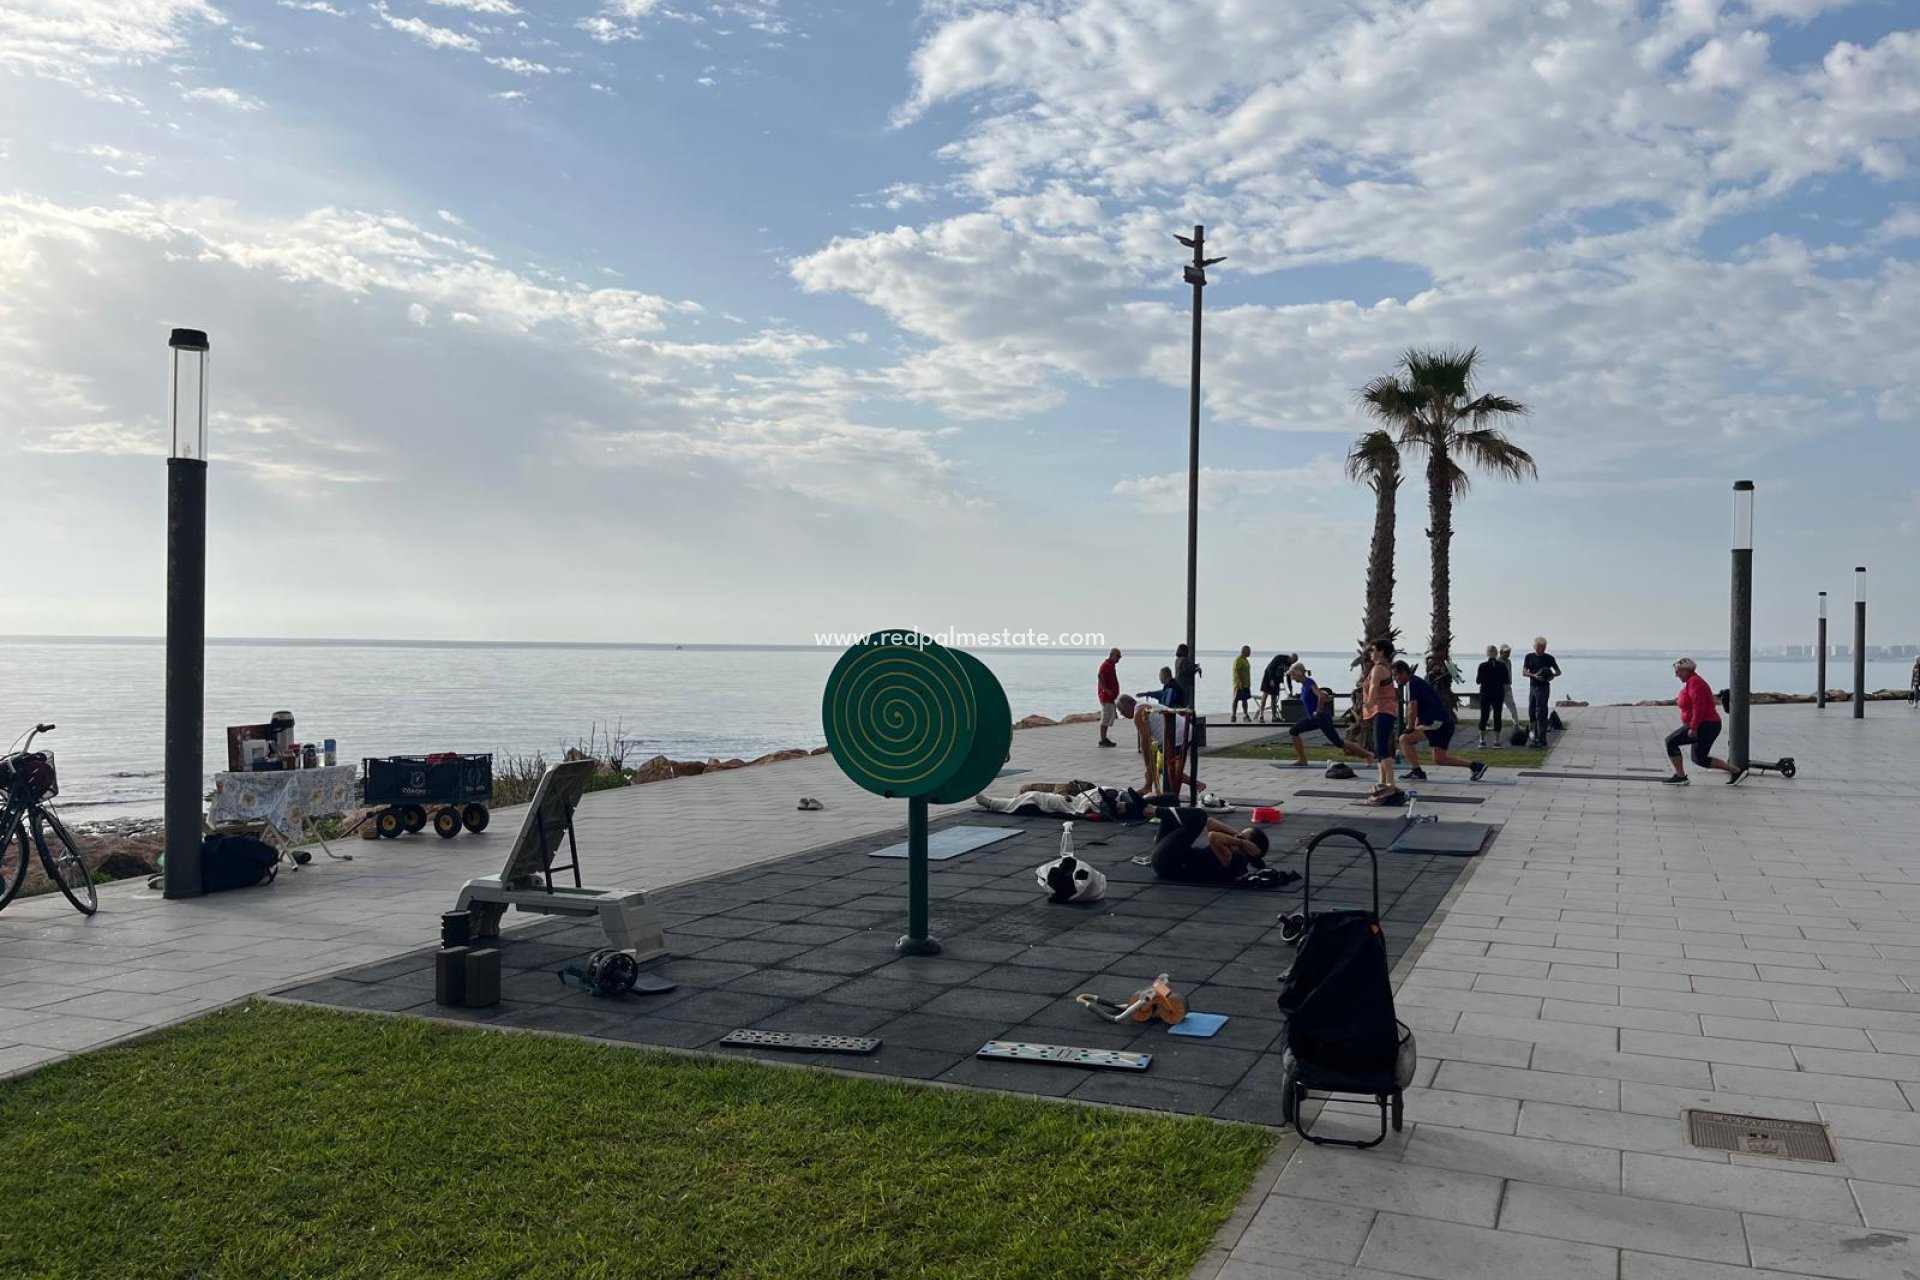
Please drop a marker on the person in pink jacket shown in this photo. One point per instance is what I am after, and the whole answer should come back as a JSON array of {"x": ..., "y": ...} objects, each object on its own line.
[{"x": 1699, "y": 727}]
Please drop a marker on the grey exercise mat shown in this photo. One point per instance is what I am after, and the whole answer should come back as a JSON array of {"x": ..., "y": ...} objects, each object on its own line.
[
  {"x": 1594, "y": 777},
  {"x": 1447, "y": 780},
  {"x": 1463, "y": 839},
  {"x": 951, "y": 842},
  {"x": 1008, "y": 773},
  {"x": 1361, "y": 796}
]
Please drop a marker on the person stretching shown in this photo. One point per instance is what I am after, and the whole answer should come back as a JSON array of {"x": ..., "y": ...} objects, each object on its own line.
[
  {"x": 1195, "y": 849},
  {"x": 1699, "y": 728},
  {"x": 1433, "y": 722},
  {"x": 1493, "y": 676},
  {"x": 1161, "y": 733},
  {"x": 1318, "y": 704}
]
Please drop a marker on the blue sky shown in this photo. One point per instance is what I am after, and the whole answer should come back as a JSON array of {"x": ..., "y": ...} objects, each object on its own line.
[{"x": 635, "y": 319}]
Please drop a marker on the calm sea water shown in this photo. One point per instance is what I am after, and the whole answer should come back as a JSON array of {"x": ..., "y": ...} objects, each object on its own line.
[{"x": 108, "y": 698}]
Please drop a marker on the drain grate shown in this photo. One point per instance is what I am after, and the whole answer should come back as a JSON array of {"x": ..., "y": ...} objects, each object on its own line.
[{"x": 1760, "y": 1136}]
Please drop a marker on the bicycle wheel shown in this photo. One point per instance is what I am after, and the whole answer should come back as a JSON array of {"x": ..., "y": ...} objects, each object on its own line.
[
  {"x": 63, "y": 863},
  {"x": 13, "y": 855}
]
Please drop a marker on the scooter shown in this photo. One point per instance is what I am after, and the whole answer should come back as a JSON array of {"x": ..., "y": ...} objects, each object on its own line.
[{"x": 1784, "y": 766}]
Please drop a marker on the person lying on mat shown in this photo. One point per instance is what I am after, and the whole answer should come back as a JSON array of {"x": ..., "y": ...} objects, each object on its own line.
[
  {"x": 1113, "y": 804},
  {"x": 1195, "y": 849}
]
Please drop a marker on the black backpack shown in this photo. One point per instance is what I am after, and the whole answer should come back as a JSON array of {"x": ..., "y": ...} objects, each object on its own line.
[{"x": 236, "y": 862}]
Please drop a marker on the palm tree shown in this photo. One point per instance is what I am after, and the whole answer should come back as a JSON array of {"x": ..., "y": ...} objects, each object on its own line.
[
  {"x": 1429, "y": 404},
  {"x": 1374, "y": 461}
]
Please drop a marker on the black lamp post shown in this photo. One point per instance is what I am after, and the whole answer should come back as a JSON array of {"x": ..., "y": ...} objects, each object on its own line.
[
  {"x": 1820, "y": 694},
  {"x": 1740, "y": 651},
  {"x": 1196, "y": 275},
  {"x": 186, "y": 607},
  {"x": 1860, "y": 642}
]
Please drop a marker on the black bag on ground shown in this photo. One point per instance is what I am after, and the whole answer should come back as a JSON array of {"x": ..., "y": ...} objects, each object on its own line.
[
  {"x": 1339, "y": 1000},
  {"x": 236, "y": 862}
]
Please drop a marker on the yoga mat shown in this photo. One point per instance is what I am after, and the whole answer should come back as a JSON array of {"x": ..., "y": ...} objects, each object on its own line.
[
  {"x": 1462, "y": 839},
  {"x": 1361, "y": 795},
  {"x": 1008, "y": 773},
  {"x": 1462, "y": 781},
  {"x": 950, "y": 842},
  {"x": 1595, "y": 777},
  {"x": 1200, "y": 1025}
]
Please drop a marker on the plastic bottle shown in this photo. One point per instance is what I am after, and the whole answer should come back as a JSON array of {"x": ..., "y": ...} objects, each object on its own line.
[
  {"x": 1066, "y": 839},
  {"x": 330, "y": 755}
]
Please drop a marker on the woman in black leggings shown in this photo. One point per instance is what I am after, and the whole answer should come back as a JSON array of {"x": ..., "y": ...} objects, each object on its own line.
[{"x": 1195, "y": 849}]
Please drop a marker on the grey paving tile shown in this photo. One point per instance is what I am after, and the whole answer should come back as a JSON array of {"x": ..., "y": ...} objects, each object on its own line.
[
  {"x": 1779, "y": 1191},
  {"x": 1285, "y": 1227},
  {"x": 1499, "y": 1155},
  {"x": 1809, "y": 1085},
  {"x": 1542, "y": 1086},
  {"x": 1438, "y": 1250},
  {"x": 1354, "y": 1179},
  {"x": 1824, "y": 1249},
  {"x": 1623, "y": 1221}
]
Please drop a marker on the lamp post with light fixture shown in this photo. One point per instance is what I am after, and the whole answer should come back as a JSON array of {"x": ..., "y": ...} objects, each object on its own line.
[{"x": 186, "y": 608}]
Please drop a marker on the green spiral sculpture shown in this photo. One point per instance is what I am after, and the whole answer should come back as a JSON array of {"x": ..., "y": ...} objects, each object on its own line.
[{"x": 907, "y": 718}]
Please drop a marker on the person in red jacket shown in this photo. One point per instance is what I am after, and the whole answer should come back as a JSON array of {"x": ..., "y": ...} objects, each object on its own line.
[
  {"x": 1699, "y": 727},
  {"x": 1109, "y": 690}
]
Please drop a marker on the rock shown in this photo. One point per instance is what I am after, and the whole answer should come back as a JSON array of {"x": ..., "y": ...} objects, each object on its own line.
[
  {"x": 1080, "y": 717},
  {"x": 819, "y": 751},
  {"x": 772, "y": 757},
  {"x": 658, "y": 769},
  {"x": 1034, "y": 722},
  {"x": 688, "y": 768},
  {"x": 575, "y": 753},
  {"x": 122, "y": 865},
  {"x": 1570, "y": 702}
]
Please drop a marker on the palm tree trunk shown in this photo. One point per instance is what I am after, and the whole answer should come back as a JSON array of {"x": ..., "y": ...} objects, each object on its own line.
[
  {"x": 1378, "y": 620},
  {"x": 1440, "y": 535}
]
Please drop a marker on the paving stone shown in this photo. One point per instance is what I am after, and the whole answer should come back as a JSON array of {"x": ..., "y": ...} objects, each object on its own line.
[
  {"x": 1289, "y": 1228},
  {"x": 1414, "y": 1246},
  {"x": 1650, "y": 1225},
  {"x": 1048, "y": 982},
  {"x": 1527, "y": 1159},
  {"x": 1131, "y": 1089},
  {"x": 729, "y": 1008},
  {"x": 1825, "y": 1249},
  {"x": 1008, "y": 1007},
  {"x": 793, "y": 984},
  {"x": 905, "y": 1061},
  {"x": 825, "y": 1018},
  {"x": 1809, "y": 1085},
  {"x": 1541, "y": 1086},
  {"x": 1778, "y": 1191},
  {"x": 885, "y": 993},
  {"x": 1651, "y": 1266},
  {"x": 1344, "y": 1177}
]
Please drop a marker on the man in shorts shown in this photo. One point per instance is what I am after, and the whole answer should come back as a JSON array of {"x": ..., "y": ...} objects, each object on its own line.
[
  {"x": 1433, "y": 722},
  {"x": 1699, "y": 728},
  {"x": 1242, "y": 685},
  {"x": 1107, "y": 687}
]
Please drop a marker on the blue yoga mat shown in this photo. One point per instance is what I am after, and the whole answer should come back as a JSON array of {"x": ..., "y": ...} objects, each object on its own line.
[
  {"x": 950, "y": 842},
  {"x": 1198, "y": 1024}
]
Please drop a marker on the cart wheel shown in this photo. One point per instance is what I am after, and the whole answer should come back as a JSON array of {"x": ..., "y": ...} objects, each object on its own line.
[
  {"x": 301, "y": 857},
  {"x": 1290, "y": 1097},
  {"x": 475, "y": 816},
  {"x": 1291, "y": 927},
  {"x": 1786, "y": 767},
  {"x": 446, "y": 823},
  {"x": 388, "y": 824},
  {"x": 1399, "y": 1109},
  {"x": 413, "y": 817}
]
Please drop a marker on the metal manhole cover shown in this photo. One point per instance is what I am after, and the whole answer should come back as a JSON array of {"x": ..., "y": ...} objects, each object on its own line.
[{"x": 1760, "y": 1136}]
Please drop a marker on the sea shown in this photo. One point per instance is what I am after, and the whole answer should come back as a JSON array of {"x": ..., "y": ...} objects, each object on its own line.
[{"x": 377, "y": 698}]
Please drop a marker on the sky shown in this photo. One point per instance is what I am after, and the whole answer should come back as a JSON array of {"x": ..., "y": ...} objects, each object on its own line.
[{"x": 741, "y": 320}]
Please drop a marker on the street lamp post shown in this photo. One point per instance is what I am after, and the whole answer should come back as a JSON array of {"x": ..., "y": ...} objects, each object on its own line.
[
  {"x": 186, "y": 607},
  {"x": 1740, "y": 652},
  {"x": 1860, "y": 642},
  {"x": 1196, "y": 275},
  {"x": 1820, "y": 694}
]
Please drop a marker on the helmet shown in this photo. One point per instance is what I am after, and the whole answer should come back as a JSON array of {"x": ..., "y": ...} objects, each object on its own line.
[{"x": 1067, "y": 879}]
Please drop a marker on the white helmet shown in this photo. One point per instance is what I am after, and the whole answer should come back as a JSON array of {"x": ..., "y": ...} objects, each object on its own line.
[{"x": 1067, "y": 879}]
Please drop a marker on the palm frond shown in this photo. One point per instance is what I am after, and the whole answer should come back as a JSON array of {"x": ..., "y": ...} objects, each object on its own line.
[
  {"x": 1490, "y": 451},
  {"x": 1374, "y": 460},
  {"x": 1490, "y": 408},
  {"x": 1386, "y": 399},
  {"x": 1444, "y": 374}
]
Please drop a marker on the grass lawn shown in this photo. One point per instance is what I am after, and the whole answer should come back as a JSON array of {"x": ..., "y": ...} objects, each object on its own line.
[
  {"x": 273, "y": 1141},
  {"x": 1504, "y": 758}
]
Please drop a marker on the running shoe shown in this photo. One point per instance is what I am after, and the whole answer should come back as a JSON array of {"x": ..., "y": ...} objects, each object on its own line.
[
  {"x": 1478, "y": 771},
  {"x": 1415, "y": 775},
  {"x": 1109, "y": 744},
  {"x": 1736, "y": 776},
  {"x": 1678, "y": 780}
]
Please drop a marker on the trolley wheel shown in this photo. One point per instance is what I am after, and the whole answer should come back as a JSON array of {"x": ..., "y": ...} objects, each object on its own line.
[
  {"x": 1290, "y": 1097},
  {"x": 1399, "y": 1109},
  {"x": 1787, "y": 769},
  {"x": 388, "y": 824},
  {"x": 1292, "y": 927},
  {"x": 300, "y": 857},
  {"x": 475, "y": 816},
  {"x": 413, "y": 818},
  {"x": 446, "y": 823}
]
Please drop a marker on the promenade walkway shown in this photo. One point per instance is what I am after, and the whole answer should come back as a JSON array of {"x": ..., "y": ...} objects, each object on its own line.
[{"x": 1623, "y": 951}]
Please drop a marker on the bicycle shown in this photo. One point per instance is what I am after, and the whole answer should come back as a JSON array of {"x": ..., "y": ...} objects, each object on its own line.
[{"x": 28, "y": 780}]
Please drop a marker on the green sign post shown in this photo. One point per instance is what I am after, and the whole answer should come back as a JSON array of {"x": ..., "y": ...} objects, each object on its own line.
[{"x": 907, "y": 718}]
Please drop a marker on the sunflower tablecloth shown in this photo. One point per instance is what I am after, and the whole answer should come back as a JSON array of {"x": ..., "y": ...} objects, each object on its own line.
[{"x": 284, "y": 800}]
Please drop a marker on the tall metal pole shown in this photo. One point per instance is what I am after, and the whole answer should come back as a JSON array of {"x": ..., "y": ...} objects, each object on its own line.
[
  {"x": 1860, "y": 642},
  {"x": 916, "y": 942},
  {"x": 186, "y": 612},
  {"x": 1196, "y": 275},
  {"x": 1820, "y": 694},
  {"x": 1740, "y": 651}
]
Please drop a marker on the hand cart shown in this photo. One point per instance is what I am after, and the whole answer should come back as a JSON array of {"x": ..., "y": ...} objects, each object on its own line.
[{"x": 448, "y": 789}]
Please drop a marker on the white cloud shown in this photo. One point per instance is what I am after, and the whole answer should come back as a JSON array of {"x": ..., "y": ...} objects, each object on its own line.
[
  {"x": 232, "y": 99},
  {"x": 509, "y": 95},
  {"x": 251, "y": 46},
  {"x": 312, "y": 6},
  {"x": 428, "y": 34},
  {"x": 72, "y": 40},
  {"x": 521, "y": 67},
  {"x": 500, "y": 7}
]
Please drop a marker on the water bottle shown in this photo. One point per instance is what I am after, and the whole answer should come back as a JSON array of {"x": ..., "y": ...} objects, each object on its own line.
[
  {"x": 330, "y": 756},
  {"x": 1066, "y": 839}
]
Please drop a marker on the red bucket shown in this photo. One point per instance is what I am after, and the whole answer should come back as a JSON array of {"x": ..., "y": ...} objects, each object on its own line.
[{"x": 1267, "y": 814}]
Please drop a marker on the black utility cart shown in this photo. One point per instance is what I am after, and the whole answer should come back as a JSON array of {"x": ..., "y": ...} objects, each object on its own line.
[{"x": 448, "y": 789}]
